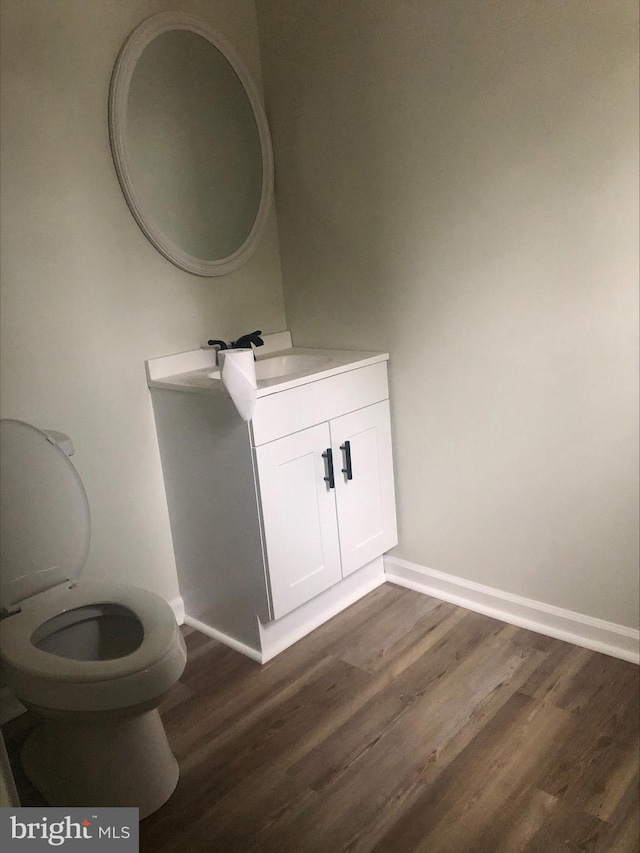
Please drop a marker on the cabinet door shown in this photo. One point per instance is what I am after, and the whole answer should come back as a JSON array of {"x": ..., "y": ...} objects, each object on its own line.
[
  {"x": 366, "y": 502},
  {"x": 299, "y": 518}
]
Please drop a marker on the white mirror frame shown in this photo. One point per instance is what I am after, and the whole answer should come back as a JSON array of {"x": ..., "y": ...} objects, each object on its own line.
[{"x": 125, "y": 65}]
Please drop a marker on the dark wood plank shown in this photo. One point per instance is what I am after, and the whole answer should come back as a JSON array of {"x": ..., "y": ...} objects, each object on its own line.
[{"x": 470, "y": 793}]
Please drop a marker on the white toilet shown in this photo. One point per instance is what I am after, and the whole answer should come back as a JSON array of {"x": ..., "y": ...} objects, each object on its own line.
[{"x": 93, "y": 660}]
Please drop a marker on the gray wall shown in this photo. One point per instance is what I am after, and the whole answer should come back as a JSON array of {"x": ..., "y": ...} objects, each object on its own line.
[
  {"x": 457, "y": 183},
  {"x": 85, "y": 297}
]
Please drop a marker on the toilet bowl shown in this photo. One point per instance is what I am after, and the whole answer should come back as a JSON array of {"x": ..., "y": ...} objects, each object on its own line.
[{"x": 92, "y": 660}]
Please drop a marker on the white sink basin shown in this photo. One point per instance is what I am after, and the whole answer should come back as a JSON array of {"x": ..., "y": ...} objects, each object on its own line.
[
  {"x": 284, "y": 365},
  {"x": 276, "y": 366}
]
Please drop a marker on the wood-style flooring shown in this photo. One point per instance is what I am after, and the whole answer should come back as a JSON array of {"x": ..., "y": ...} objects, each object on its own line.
[{"x": 403, "y": 724}]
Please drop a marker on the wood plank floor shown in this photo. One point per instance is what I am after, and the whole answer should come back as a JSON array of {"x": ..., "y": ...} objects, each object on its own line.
[{"x": 404, "y": 724}]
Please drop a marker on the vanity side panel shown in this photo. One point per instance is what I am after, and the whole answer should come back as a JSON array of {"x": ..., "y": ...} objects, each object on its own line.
[{"x": 211, "y": 493}]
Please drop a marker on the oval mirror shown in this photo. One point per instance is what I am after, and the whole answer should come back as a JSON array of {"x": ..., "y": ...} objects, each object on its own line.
[{"x": 190, "y": 144}]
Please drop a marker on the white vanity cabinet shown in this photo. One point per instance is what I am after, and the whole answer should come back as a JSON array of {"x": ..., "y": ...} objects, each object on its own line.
[
  {"x": 327, "y": 503},
  {"x": 270, "y": 517}
]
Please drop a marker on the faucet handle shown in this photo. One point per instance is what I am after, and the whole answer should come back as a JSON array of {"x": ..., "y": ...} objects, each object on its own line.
[{"x": 246, "y": 340}]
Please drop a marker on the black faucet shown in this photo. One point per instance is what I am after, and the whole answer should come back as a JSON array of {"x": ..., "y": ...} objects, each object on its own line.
[
  {"x": 243, "y": 342},
  {"x": 246, "y": 340}
]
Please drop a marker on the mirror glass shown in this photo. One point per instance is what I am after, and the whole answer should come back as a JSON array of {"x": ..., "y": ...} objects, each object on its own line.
[{"x": 190, "y": 144}]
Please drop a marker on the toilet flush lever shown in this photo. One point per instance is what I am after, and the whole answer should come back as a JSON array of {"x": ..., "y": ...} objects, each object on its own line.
[{"x": 61, "y": 439}]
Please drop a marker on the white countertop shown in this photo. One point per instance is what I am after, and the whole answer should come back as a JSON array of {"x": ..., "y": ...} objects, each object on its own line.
[{"x": 191, "y": 371}]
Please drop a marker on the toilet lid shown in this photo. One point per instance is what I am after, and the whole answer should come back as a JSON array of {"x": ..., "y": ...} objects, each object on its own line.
[{"x": 45, "y": 525}]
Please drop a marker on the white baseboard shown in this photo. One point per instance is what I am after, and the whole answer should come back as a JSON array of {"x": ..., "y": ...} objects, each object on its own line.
[
  {"x": 177, "y": 605},
  {"x": 578, "y": 628},
  {"x": 225, "y": 639}
]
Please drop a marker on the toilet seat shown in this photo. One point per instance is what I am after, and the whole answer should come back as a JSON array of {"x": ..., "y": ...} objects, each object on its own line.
[
  {"x": 57, "y": 683},
  {"x": 17, "y": 631}
]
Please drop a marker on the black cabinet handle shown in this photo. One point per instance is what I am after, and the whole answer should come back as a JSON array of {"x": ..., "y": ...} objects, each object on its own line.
[
  {"x": 346, "y": 449},
  {"x": 328, "y": 455}
]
